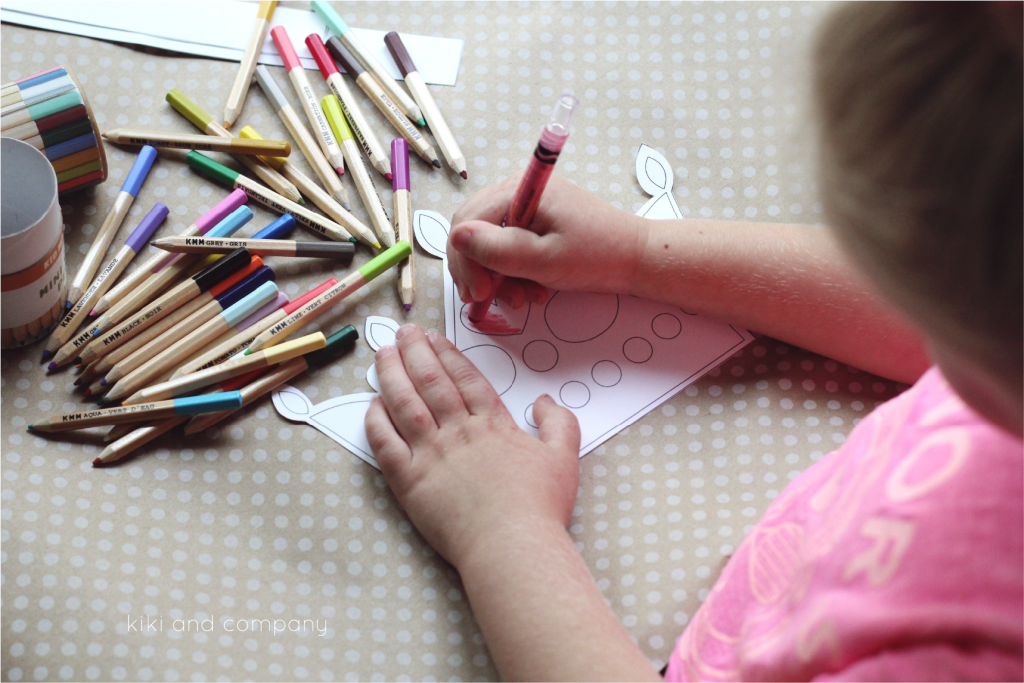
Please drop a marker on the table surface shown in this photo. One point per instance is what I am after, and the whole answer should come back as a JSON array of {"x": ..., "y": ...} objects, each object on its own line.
[{"x": 265, "y": 519}]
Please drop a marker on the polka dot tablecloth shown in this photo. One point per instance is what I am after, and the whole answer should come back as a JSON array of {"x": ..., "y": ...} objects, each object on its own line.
[{"x": 261, "y": 549}]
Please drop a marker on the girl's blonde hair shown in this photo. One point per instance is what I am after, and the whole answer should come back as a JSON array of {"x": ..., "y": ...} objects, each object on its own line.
[{"x": 920, "y": 115}]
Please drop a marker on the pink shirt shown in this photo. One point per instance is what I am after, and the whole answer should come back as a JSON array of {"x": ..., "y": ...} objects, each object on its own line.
[{"x": 899, "y": 556}]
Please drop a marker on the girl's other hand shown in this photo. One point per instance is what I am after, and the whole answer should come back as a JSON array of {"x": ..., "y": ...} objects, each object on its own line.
[{"x": 575, "y": 242}]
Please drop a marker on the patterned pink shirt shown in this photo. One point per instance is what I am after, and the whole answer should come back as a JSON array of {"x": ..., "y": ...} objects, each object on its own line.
[{"x": 899, "y": 556}]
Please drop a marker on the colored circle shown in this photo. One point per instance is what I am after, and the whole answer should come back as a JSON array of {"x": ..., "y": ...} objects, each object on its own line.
[
  {"x": 576, "y": 317},
  {"x": 574, "y": 394},
  {"x": 637, "y": 350},
  {"x": 540, "y": 355},
  {"x": 666, "y": 326},
  {"x": 606, "y": 373}
]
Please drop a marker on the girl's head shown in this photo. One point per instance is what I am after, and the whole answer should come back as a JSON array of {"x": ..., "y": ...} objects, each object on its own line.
[{"x": 922, "y": 169}]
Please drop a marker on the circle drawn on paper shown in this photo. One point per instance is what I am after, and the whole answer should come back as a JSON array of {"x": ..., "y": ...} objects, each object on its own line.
[
  {"x": 606, "y": 373},
  {"x": 528, "y": 415},
  {"x": 540, "y": 355},
  {"x": 495, "y": 364},
  {"x": 637, "y": 350},
  {"x": 666, "y": 326},
  {"x": 577, "y": 317},
  {"x": 574, "y": 394}
]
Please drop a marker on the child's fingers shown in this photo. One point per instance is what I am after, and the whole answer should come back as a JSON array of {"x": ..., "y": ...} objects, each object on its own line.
[
  {"x": 392, "y": 453},
  {"x": 428, "y": 376},
  {"x": 489, "y": 204},
  {"x": 473, "y": 280},
  {"x": 408, "y": 412},
  {"x": 477, "y": 393},
  {"x": 557, "y": 426},
  {"x": 511, "y": 251}
]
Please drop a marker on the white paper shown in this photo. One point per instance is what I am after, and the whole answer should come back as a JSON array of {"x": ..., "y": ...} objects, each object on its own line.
[
  {"x": 221, "y": 30},
  {"x": 342, "y": 418}
]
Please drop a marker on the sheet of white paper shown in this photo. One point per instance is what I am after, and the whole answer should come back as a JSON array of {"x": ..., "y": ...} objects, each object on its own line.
[{"x": 220, "y": 30}]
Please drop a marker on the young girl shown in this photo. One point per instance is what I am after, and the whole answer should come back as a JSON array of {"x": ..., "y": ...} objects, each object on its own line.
[{"x": 898, "y": 556}]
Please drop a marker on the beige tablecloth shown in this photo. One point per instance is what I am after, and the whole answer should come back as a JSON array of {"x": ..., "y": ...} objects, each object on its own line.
[{"x": 265, "y": 519}]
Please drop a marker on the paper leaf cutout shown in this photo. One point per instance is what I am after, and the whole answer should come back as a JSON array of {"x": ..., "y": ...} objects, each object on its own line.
[
  {"x": 653, "y": 171},
  {"x": 380, "y": 331},
  {"x": 342, "y": 419},
  {"x": 431, "y": 230},
  {"x": 292, "y": 403},
  {"x": 372, "y": 379}
]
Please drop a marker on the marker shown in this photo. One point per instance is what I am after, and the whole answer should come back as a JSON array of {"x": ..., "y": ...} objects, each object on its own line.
[
  {"x": 341, "y": 341},
  {"x": 240, "y": 87},
  {"x": 144, "y": 294},
  {"x": 270, "y": 199},
  {"x": 297, "y": 75},
  {"x": 73, "y": 320},
  {"x": 303, "y": 138},
  {"x": 403, "y": 220},
  {"x": 105, "y": 235},
  {"x": 203, "y": 143},
  {"x": 180, "y": 350},
  {"x": 204, "y": 122},
  {"x": 367, "y": 60},
  {"x": 353, "y": 112},
  {"x": 421, "y": 93},
  {"x": 154, "y": 264},
  {"x": 240, "y": 366},
  {"x": 360, "y": 176},
  {"x": 290, "y": 248},
  {"x": 531, "y": 187},
  {"x": 195, "y": 405},
  {"x": 248, "y": 330},
  {"x": 384, "y": 103},
  {"x": 321, "y": 304}
]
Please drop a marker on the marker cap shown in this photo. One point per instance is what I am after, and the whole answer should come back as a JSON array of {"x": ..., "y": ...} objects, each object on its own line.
[
  {"x": 187, "y": 108},
  {"x": 342, "y": 340},
  {"x": 270, "y": 88},
  {"x": 344, "y": 57},
  {"x": 232, "y": 263},
  {"x": 278, "y": 229},
  {"x": 211, "y": 169},
  {"x": 309, "y": 296},
  {"x": 231, "y": 223},
  {"x": 208, "y": 403},
  {"x": 146, "y": 227},
  {"x": 246, "y": 286},
  {"x": 387, "y": 260},
  {"x": 285, "y": 48},
  {"x": 215, "y": 215},
  {"x": 399, "y": 164},
  {"x": 397, "y": 49},
  {"x": 263, "y": 311},
  {"x": 328, "y": 14},
  {"x": 320, "y": 55},
  {"x": 140, "y": 169}
]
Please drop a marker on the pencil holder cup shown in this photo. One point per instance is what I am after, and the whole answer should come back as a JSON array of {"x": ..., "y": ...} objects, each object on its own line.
[{"x": 33, "y": 286}]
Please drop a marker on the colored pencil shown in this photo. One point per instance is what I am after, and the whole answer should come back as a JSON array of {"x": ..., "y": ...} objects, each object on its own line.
[
  {"x": 203, "y": 143},
  {"x": 240, "y": 366},
  {"x": 291, "y": 248},
  {"x": 306, "y": 185},
  {"x": 403, "y": 219},
  {"x": 63, "y": 333},
  {"x": 213, "y": 302},
  {"x": 325, "y": 301},
  {"x": 224, "y": 350},
  {"x": 204, "y": 122},
  {"x": 125, "y": 330},
  {"x": 55, "y": 121},
  {"x": 303, "y": 138},
  {"x": 421, "y": 93},
  {"x": 54, "y": 80},
  {"x": 174, "y": 354},
  {"x": 367, "y": 60},
  {"x": 105, "y": 235},
  {"x": 270, "y": 199},
  {"x": 150, "y": 288},
  {"x": 358, "y": 172},
  {"x": 248, "y": 64},
  {"x": 23, "y": 112},
  {"x": 139, "y": 413},
  {"x": 297, "y": 75},
  {"x": 384, "y": 103},
  {"x": 202, "y": 225},
  {"x": 339, "y": 342},
  {"x": 353, "y": 112}
]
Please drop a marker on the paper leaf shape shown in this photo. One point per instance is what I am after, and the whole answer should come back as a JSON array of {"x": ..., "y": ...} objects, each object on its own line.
[
  {"x": 655, "y": 176},
  {"x": 431, "y": 230},
  {"x": 372, "y": 379},
  {"x": 380, "y": 331},
  {"x": 342, "y": 418}
]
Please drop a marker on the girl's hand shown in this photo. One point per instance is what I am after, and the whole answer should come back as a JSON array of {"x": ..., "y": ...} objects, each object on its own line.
[
  {"x": 575, "y": 242},
  {"x": 455, "y": 459}
]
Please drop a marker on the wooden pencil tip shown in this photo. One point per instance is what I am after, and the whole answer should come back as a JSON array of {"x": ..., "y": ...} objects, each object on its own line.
[
  {"x": 227, "y": 125},
  {"x": 68, "y": 305},
  {"x": 30, "y": 426},
  {"x": 87, "y": 394},
  {"x": 340, "y": 170},
  {"x": 464, "y": 176},
  {"x": 51, "y": 367},
  {"x": 421, "y": 121},
  {"x": 97, "y": 462},
  {"x": 46, "y": 355},
  {"x": 302, "y": 201},
  {"x": 376, "y": 245},
  {"x": 389, "y": 176},
  {"x": 348, "y": 207},
  {"x": 436, "y": 163},
  {"x": 93, "y": 313},
  {"x": 79, "y": 362},
  {"x": 408, "y": 307}
]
